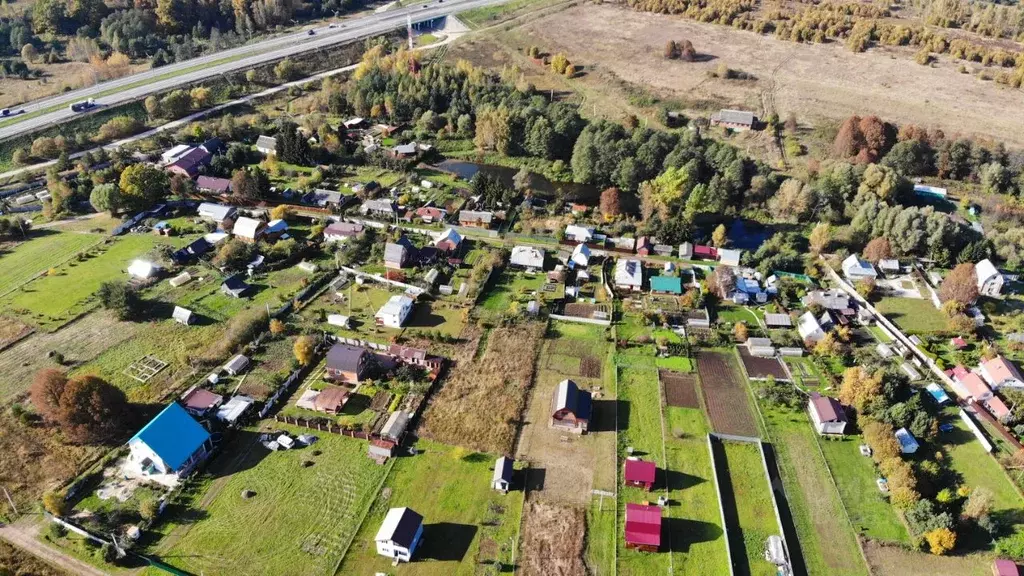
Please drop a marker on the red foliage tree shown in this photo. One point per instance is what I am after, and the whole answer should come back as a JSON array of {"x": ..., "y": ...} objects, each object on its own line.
[
  {"x": 46, "y": 390},
  {"x": 878, "y": 249},
  {"x": 961, "y": 285},
  {"x": 92, "y": 410}
]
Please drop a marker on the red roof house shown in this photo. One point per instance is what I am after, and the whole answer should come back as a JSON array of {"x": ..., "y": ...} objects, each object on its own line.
[
  {"x": 958, "y": 343},
  {"x": 957, "y": 372},
  {"x": 640, "y": 473},
  {"x": 976, "y": 387},
  {"x": 644, "y": 246},
  {"x": 706, "y": 252},
  {"x": 1005, "y": 568},
  {"x": 997, "y": 407},
  {"x": 643, "y": 527}
]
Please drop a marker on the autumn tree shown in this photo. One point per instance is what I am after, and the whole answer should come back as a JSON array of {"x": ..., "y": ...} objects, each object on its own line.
[
  {"x": 792, "y": 202},
  {"x": 610, "y": 203},
  {"x": 92, "y": 410},
  {"x": 820, "y": 238},
  {"x": 720, "y": 237},
  {"x": 142, "y": 185},
  {"x": 305, "y": 348},
  {"x": 979, "y": 503},
  {"x": 559, "y": 63},
  {"x": 277, "y": 327},
  {"x": 687, "y": 52},
  {"x": 940, "y": 541},
  {"x": 740, "y": 331},
  {"x": 282, "y": 212},
  {"x": 672, "y": 50},
  {"x": 493, "y": 129},
  {"x": 961, "y": 285},
  {"x": 878, "y": 249},
  {"x": 879, "y": 436},
  {"x": 859, "y": 387},
  {"x": 47, "y": 387}
]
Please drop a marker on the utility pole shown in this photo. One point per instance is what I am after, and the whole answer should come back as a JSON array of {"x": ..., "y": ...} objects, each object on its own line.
[{"x": 11, "y": 502}]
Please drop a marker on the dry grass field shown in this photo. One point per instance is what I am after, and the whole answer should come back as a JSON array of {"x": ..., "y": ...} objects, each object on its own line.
[
  {"x": 895, "y": 561},
  {"x": 552, "y": 540},
  {"x": 812, "y": 80},
  {"x": 480, "y": 402}
]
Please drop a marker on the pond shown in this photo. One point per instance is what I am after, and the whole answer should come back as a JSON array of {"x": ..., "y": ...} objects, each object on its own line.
[
  {"x": 748, "y": 234},
  {"x": 542, "y": 187}
]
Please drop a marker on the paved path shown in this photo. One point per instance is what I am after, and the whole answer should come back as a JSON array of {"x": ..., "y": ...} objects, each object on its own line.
[{"x": 24, "y": 535}]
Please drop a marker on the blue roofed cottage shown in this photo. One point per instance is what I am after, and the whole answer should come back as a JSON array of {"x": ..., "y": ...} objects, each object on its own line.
[{"x": 173, "y": 443}]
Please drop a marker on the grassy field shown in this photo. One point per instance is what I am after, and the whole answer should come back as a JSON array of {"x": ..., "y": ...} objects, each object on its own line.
[
  {"x": 509, "y": 287},
  {"x": 43, "y": 250},
  {"x": 699, "y": 544},
  {"x": 465, "y": 522},
  {"x": 913, "y": 314},
  {"x": 76, "y": 282},
  {"x": 490, "y": 15},
  {"x": 301, "y": 519},
  {"x": 855, "y": 475},
  {"x": 827, "y": 540},
  {"x": 601, "y": 536},
  {"x": 747, "y": 498},
  {"x": 677, "y": 363},
  {"x": 640, "y": 427}
]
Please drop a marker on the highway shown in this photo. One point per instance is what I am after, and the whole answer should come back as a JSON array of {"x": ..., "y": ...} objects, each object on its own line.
[{"x": 55, "y": 109}]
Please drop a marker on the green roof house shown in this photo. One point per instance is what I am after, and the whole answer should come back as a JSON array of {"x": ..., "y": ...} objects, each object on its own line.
[{"x": 667, "y": 285}]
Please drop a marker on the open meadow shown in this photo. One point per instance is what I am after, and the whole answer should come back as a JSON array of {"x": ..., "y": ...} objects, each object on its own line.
[
  {"x": 800, "y": 78},
  {"x": 465, "y": 522},
  {"x": 300, "y": 519},
  {"x": 44, "y": 249},
  {"x": 913, "y": 314}
]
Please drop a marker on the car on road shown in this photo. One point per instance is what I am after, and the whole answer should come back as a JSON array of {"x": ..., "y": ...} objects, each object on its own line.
[
  {"x": 947, "y": 427},
  {"x": 83, "y": 105},
  {"x": 311, "y": 33}
]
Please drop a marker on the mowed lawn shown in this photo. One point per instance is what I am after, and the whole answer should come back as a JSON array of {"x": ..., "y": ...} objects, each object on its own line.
[
  {"x": 51, "y": 301},
  {"x": 855, "y": 475},
  {"x": 827, "y": 539},
  {"x": 913, "y": 314},
  {"x": 300, "y": 520},
  {"x": 698, "y": 542},
  {"x": 747, "y": 499},
  {"x": 640, "y": 427},
  {"x": 465, "y": 521},
  {"x": 43, "y": 250}
]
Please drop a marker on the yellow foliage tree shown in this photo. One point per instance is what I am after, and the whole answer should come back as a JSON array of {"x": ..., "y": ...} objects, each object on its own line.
[
  {"x": 859, "y": 387},
  {"x": 277, "y": 327},
  {"x": 304, "y": 349},
  {"x": 940, "y": 541}
]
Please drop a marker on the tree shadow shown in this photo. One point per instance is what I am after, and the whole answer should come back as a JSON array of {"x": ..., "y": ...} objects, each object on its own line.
[
  {"x": 602, "y": 417},
  {"x": 676, "y": 480},
  {"x": 446, "y": 541},
  {"x": 534, "y": 479},
  {"x": 242, "y": 452}
]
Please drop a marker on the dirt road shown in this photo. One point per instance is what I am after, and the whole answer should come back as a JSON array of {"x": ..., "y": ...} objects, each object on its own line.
[{"x": 24, "y": 533}]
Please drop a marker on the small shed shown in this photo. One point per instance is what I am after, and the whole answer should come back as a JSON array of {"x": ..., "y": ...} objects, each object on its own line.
[
  {"x": 234, "y": 408},
  {"x": 181, "y": 279},
  {"x": 908, "y": 444},
  {"x": 827, "y": 413},
  {"x": 237, "y": 365},
  {"x": 502, "y": 479},
  {"x": 938, "y": 393},
  {"x": 182, "y": 315},
  {"x": 774, "y": 320},
  {"x": 395, "y": 426},
  {"x": 338, "y": 320},
  {"x": 643, "y": 527},
  {"x": 639, "y": 473}
]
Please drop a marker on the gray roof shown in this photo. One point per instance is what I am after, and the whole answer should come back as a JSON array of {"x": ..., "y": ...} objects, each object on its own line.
[
  {"x": 829, "y": 299},
  {"x": 405, "y": 149},
  {"x": 344, "y": 357},
  {"x": 777, "y": 319},
  {"x": 735, "y": 116},
  {"x": 378, "y": 206},
  {"x": 218, "y": 212},
  {"x": 394, "y": 252},
  {"x": 266, "y": 142},
  {"x": 503, "y": 469},
  {"x": 395, "y": 426},
  {"x": 237, "y": 364},
  {"x": 472, "y": 216}
]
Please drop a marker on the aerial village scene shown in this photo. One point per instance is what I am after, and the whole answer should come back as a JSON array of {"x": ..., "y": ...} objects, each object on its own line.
[{"x": 532, "y": 287}]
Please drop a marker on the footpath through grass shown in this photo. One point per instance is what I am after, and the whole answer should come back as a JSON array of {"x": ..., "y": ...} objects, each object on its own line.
[{"x": 465, "y": 521}]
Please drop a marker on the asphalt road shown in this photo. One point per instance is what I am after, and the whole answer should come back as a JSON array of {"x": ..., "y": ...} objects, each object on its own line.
[{"x": 164, "y": 78}]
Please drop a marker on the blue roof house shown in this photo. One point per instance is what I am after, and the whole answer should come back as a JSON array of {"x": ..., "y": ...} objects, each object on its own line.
[{"x": 172, "y": 443}]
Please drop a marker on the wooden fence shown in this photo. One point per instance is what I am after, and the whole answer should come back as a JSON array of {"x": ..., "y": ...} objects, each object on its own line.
[{"x": 321, "y": 425}]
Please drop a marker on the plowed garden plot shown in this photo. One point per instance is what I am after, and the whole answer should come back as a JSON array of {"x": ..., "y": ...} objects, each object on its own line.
[
  {"x": 680, "y": 389},
  {"x": 726, "y": 398},
  {"x": 761, "y": 368},
  {"x": 590, "y": 367}
]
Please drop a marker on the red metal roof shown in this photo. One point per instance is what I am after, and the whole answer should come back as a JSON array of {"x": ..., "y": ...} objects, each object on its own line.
[
  {"x": 643, "y": 525},
  {"x": 975, "y": 385},
  {"x": 829, "y": 409},
  {"x": 708, "y": 251},
  {"x": 958, "y": 372},
  {"x": 640, "y": 471},
  {"x": 997, "y": 407},
  {"x": 1006, "y": 568}
]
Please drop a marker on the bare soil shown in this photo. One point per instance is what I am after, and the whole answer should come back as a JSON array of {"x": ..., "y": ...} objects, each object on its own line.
[
  {"x": 11, "y": 329},
  {"x": 680, "y": 389},
  {"x": 724, "y": 391},
  {"x": 552, "y": 539},
  {"x": 480, "y": 402},
  {"x": 815, "y": 81},
  {"x": 760, "y": 368},
  {"x": 590, "y": 367}
]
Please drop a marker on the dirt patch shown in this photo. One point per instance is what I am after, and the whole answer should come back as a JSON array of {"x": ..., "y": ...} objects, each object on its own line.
[
  {"x": 761, "y": 368},
  {"x": 552, "y": 539},
  {"x": 79, "y": 342},
  {"x": 799, "y": 78},
  {"x": 896, "y": 561},
  {"x": 724, "y": 391},
  {"x": 680, "y": 389},
  {"x": 11, "y": 329},
  {"x": 480, "y": 402},
  {"x": 590, "y": 367},
  {"x": 15, "y": 561}
]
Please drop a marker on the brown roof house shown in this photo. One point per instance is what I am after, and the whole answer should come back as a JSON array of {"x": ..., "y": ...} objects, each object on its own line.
[
  {"x": 331, "y": 399},
  {"x": 570, "y": 408},
  {"x": 347, "y": 363},
  {"x": 199, "y": 402},
  {"x": 827, "y": 413}
]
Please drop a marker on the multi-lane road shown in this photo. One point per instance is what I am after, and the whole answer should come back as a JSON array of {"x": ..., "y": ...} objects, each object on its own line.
[{"x": 41, "y": 113}]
